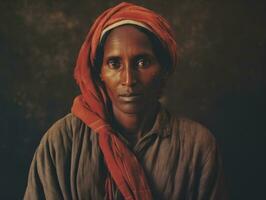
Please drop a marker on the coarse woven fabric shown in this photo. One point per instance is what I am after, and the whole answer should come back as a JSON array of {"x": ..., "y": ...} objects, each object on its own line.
[
  {"x": 91, "y": 105},
  {"x": 180, "y": 158}
]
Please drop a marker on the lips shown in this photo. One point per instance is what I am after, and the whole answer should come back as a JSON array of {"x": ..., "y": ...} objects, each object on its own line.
[{"x": 130, "y": 97}]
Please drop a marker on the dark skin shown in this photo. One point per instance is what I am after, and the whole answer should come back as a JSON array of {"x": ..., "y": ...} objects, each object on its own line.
[{"x": 133, "y": 79}]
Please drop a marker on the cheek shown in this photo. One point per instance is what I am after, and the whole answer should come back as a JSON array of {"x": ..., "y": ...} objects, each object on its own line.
[
  {"x": 110, "y": 81},
  {"x": 151, "y": 78}
]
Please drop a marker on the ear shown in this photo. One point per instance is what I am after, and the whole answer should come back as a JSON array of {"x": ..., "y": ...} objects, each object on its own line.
[
  {"x": 101, "y": 78},
  {"x": 162, "y": 83},
  {"x": 164, "y": 77}
]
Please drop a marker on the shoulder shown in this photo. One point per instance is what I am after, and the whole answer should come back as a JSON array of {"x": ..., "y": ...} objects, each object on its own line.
[
  {"x": 67, "y": 123},
  {"x": 62, "y": 134},
  {"x": 63, "y": 128},
  {"x": 195, "y": 140},
  {"x": 195, "y": 132}
]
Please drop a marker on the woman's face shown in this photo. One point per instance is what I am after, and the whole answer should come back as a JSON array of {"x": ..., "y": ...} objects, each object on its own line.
[{"x": 130, "y": 70}]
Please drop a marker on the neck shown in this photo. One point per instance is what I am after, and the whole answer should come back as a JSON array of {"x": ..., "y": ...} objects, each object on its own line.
[{"x": 136, "y": 124}]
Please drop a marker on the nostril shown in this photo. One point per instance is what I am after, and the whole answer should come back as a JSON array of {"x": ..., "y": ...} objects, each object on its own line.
[{"x": 130, "y": 81}]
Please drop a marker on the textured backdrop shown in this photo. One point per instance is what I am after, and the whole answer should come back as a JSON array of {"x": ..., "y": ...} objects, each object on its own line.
[{"x": 220, "y": 80}]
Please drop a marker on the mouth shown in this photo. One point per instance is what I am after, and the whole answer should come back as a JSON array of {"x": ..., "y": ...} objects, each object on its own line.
[{"x": 130, "y": 97}]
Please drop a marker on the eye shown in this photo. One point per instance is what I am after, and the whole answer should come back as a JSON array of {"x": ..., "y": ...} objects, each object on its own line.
[
  {"x": 114, "y": 63},
  {"x": 143, "y": 63}
]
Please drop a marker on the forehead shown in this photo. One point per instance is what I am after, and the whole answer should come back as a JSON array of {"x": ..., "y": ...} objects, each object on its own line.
[{"x": 127, "y": 38}]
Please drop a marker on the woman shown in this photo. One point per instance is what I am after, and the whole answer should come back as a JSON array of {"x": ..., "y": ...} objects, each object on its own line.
[{"x": 119, "y": 142}]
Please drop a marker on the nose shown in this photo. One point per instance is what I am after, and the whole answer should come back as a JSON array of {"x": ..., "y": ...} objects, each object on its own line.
[{"x": 128, "y": 76}]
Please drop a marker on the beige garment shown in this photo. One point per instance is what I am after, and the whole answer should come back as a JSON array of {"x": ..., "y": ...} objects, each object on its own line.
[{"x": 179, "y": 156}]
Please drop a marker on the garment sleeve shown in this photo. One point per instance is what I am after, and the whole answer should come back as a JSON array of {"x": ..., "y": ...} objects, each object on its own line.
[
  {"x": 49, "y": 171},
  {"x": 212, "y": 183},
  {"x": 43, "y": 180}
]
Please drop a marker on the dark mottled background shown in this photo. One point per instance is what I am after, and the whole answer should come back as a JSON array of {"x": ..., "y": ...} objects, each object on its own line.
[{"x": 219, "y": 81}]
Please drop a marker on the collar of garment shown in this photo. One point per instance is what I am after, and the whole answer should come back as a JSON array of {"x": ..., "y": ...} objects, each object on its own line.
[{"x": 161, "y": 127}]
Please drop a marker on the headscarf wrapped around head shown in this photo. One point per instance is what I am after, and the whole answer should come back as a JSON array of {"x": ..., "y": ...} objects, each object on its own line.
[{"x": 91, "y": 106}]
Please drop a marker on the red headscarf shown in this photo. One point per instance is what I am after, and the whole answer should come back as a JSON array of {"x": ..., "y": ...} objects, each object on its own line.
[{"x": 90, "y": 106}]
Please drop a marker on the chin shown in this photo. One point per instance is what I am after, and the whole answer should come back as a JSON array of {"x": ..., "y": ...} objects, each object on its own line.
[{"x": 130, "y": 108}]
